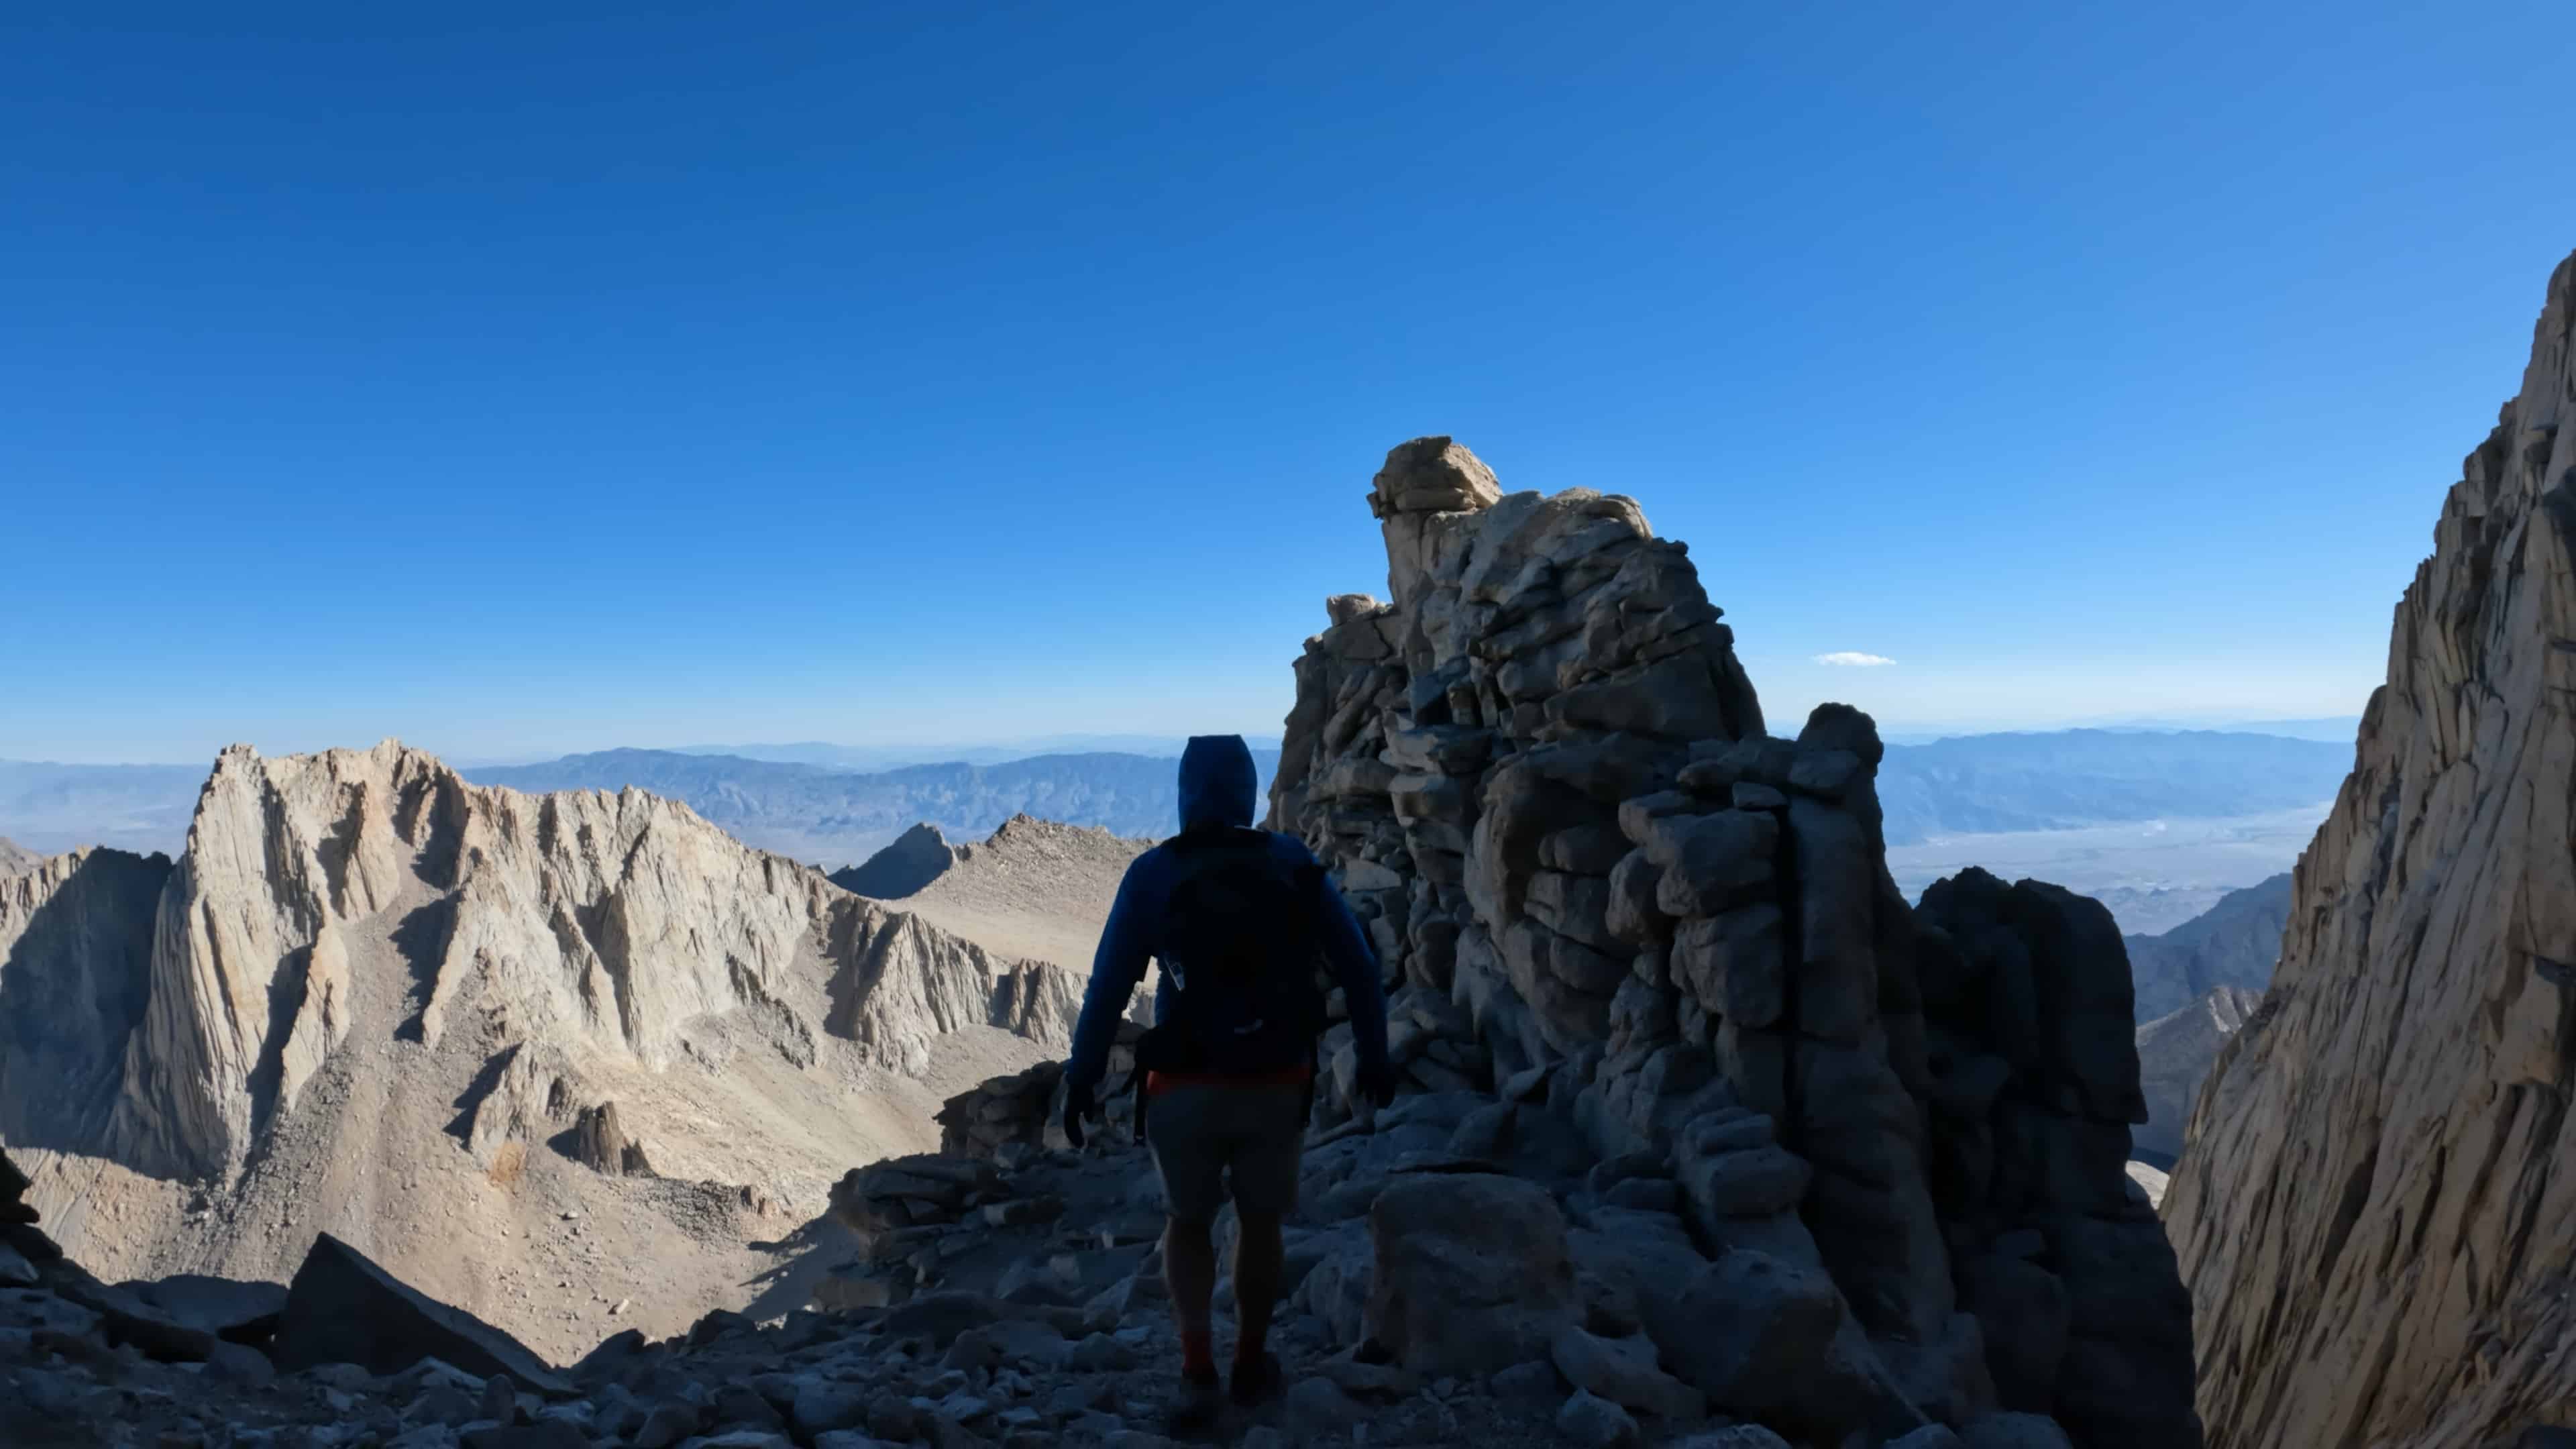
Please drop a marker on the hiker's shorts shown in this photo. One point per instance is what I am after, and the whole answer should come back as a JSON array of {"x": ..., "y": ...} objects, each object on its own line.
[{"x": 1200, "y": 1133}]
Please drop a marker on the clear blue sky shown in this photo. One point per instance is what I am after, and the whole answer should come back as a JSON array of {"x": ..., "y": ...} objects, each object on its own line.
[{"x": 955, "y": 372}]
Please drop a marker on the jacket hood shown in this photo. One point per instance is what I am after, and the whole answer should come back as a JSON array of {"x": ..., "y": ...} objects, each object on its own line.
[{"x": 1217, "y": 781}]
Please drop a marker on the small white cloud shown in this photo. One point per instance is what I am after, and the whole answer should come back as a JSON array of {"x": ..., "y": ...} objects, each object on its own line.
[{"x": 1853, "y": 658}]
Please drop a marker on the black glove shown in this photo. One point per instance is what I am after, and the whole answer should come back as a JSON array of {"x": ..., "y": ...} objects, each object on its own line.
[
  {"x": 1377, "y": 1083},
  {"x": 1078, "y": 1105}
]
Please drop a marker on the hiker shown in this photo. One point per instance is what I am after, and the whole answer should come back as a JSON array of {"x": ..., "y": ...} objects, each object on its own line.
[{"x": 1238, "y": 918}]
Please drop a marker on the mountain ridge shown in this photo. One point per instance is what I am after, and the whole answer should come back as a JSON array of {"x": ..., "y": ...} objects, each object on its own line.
[{"x": 364, "y": 962}]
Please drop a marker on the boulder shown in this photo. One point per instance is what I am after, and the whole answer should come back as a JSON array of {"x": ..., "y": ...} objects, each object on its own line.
[
  {"x": 1753, "y": 1334},
  {"x": 342, "y": 1308},
  {"x": 1471, "y": 1272},
  {"x": 1623, "y": 1371}
]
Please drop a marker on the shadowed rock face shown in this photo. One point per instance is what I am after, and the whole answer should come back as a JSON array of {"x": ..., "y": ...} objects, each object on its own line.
[
  {"x": 75, "y": 962},
  {"x": 2234, "y": 943},
  {"x": 1545, "y": 785},
  {"x": 2376, "y": 1208},
  {"x": 915, "y": 859},
  {"x": 2175, "y": 1053}
]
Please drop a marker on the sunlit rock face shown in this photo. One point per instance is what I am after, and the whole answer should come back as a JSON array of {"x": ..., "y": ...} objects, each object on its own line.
[{"x": 2376, "y": 1206}]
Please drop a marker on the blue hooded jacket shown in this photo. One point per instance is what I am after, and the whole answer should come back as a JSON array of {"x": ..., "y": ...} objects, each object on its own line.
[{"x": 1216, "y": 786}]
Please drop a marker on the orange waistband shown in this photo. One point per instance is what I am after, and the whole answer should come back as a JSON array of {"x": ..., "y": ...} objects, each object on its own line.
[{"x": 1157, "y": 1083}]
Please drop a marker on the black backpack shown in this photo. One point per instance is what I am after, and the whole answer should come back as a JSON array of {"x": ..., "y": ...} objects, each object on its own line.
[{"x": 1240, "y": 947}]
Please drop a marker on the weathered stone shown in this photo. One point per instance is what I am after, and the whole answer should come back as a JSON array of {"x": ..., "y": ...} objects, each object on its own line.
[
  {"x": 1733, "y": 964},
  {"x": 1762, "y": 1326},
  {"x": 1837, "y": 965},
  {"x": 1432, "y": 475},
  {"x": 1751, "y": 1183},
  {"x": 1349, "y": 608},
  {"x": 1624, "y": 1372},
  {"x": 1595, "y": 1422},
  {"x": 1584, "y": 849},
  {"x": 1637, "y": 816},
  {"x": 1574, "y": 906},
  {"x": 1472, "y": 1273},
  {"x": 1755, "y": 1065},
  {"x": 1632, "y": 914},
  {"x": 1711, "y": 862}
]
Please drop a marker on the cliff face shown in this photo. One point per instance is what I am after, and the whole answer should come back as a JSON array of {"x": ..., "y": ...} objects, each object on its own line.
[
  {"x": 2377, "y": 1208},
  {"x": 1546, "y": 786}
]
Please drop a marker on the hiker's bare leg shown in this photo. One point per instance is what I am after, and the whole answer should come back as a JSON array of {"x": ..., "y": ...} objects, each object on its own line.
[
  {"x": 1189, "y": 1271},
  {"x": 1257, "y": 1265}
]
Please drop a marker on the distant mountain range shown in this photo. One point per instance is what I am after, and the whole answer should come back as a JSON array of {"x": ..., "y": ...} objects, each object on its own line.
[
  {"x": 893, "y": 756},
  {"x": 2234, "y": 943},
  {"x": 833, "y": 817},
  {"x": 820, "y": 810}
]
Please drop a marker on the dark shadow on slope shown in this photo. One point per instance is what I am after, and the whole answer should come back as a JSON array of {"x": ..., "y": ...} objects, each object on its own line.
[
  {"x": 819, "y": 1246},
  {"x": 461, "y": 1127},
  {"x": 420, "y": 938},
  {"x": 286, "y": 988},
  {"x": 72, "y": 989}
]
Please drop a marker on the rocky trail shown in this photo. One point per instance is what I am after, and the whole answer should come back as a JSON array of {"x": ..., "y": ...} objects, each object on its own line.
[{"x": 1042, "y": 1320}]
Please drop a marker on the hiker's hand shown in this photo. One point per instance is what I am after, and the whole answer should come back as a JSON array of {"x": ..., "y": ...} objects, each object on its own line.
[
  {"x": 1377, "y": 1083},
  {"x": 1078, "y": 1104}
]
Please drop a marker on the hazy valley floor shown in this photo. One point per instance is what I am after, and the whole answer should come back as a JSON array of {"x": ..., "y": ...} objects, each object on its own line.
[{"x": 2154, "y": 875}]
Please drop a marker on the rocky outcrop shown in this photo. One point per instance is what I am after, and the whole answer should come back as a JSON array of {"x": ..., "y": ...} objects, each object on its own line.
[
  {"x": 1024, "y": 1111},
  {"x": 2376, "y": 1207},
  {"x": 601, "y": 1144},
  {"x": 2175, "y": 1054},
  {"x": 2234, "y": 944},
  {"x": 914, "y": 859},
  {"x": 1544, "y": 782},
  {"x": 2034, "y": 1089}
]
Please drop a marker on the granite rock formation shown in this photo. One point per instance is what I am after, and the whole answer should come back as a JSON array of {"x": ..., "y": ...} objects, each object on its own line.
[
  {"x": 374, "y": 1000},
  {"x": 1609, "y": 896},
  {"x": 2376, "y": 1208},
  {"x": 602, "y": 922}
]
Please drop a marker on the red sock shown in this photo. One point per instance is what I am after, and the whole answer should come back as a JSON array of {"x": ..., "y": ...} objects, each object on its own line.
[{"x": 1198, "y": 1354}]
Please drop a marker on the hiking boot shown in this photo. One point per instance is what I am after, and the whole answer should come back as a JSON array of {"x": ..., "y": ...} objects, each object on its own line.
[
  {"x": 1197, "y": 1408},
  {"x": 1255, "y": 1382}
]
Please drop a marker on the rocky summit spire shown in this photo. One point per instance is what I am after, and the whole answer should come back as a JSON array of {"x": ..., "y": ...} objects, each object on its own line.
[
  {"x": 1615, "y": 899},
  {"x": 2376, "y": 1207}
]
